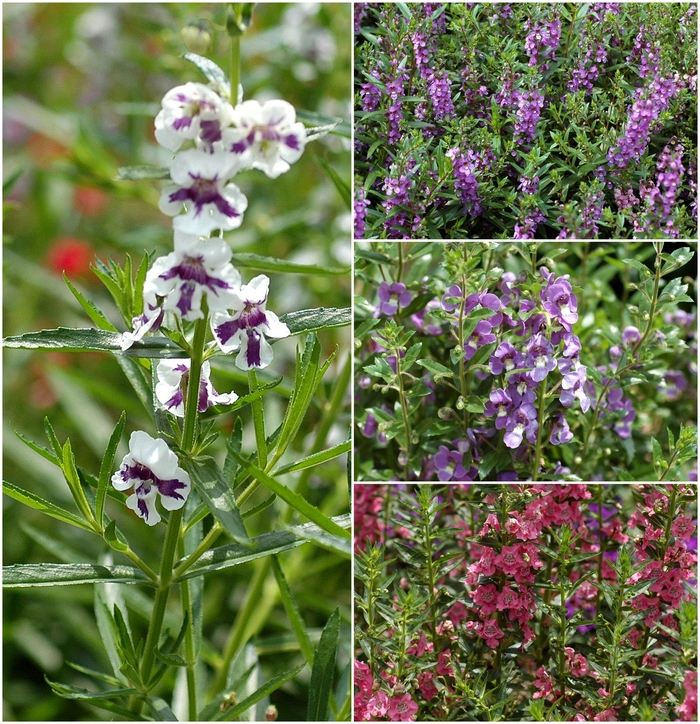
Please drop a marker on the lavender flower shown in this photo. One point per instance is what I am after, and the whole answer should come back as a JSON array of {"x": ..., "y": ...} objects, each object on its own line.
[
  {"x": 561, "y": 434},
  {"x": 501, "y": 405},
  {"x": 360, "y": 210},
  {"x": 480, "y": 337},
  {"x": 507, "y": 357},
  {"x": 540, "y": 356},
  {"x": 530, "y": 104},
  {"x": 391, "y": 297},
  {"x": 523, "y": 422},
  {"x": 439, "y": 91}
]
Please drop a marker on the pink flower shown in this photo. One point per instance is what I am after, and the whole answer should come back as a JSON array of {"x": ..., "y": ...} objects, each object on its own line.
[
  {"x": 402, "y": 708},
  {"x": 486, "y": 597},
  {"x": 688, "y": 710},
  {"x": 543, "y": 682},
  {"x": 360, "y": 703},
  {"x": 379, "y": 703},
  {"x": 363, "y": 676},
  {"x": 457, "y": 613},
  {"x": 444, "y": 660},
  {"x": 579, "y": 665},
  {"x": 492, "y": 633},
  {"x": 509, "y": 559},
  {"x": 507, "y": 598},
  {"x": 607, "y": 715},
  {"x": 491, "y": 523},
  {"x": 426, "y": 685},
  {"x": 683, "y": 528}
]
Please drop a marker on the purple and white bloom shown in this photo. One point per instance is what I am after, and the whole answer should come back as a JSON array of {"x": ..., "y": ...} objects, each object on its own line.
[
  {"x": 501, "y": 405},
  {"x": 560, "y": 302},
  {"x": 507, "y": 357},
  {"x": 453, "y": 291},
  {"x": 573, "y": 384},
  {"x": 561, "y": 434},
  {"x": 266, "y": 136},
  {"x": 481, "y": 336},
  {"x": 171, "y": 388},
  {"x": 151, "y": 468},
  {"x": 201, "y": 189},
  {"x": 540, "y": 357},
  {"x": 522, "y": 422},
  {"x": 192, "y": 112},
  {"x": 148, "y": 321},
  {"x": 196, "y": 267},
  {"x": 245, "y": 330},
  {"x": 521, "y": 388},
  {"x": 391, "y": 297}
]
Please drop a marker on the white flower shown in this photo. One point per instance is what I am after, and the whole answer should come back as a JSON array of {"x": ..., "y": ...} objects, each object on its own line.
[
  {"x": 170, "y": 388},
  {"x": 265, "y": 136},
  {"x": 201, "y": 189},
  {"x": 196, "y": 267},
  {"x": 245, "y": 330},
  {"x": 151, "y": 468},
  {"x": 149, "y": 321},
  {"x": 192, "y": 112}
]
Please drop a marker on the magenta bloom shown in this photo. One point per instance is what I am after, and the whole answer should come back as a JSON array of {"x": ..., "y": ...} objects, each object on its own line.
[
  {"x": 402, "y": 708},
  {"x": 492, "y": 633}
]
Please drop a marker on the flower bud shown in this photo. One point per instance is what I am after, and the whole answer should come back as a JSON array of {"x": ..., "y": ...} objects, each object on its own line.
[
  {"x": 414, "y": 438},
  {"x": 631, "y": 287},
  {"x": 271, "y": 713},
  {"x": 403, "y": 458},
  {"x": 460, "y": 403},
  {"x": 197, "y": 38},
  {"x": 645, "y": 316},
  {"x": 445, "y": 413},
  {"x": 578, "y": 460}
]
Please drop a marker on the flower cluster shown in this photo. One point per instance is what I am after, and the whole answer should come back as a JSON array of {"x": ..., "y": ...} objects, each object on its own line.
[
  {"x": 542, "y": 41},
  {"x": 466, "y": 167},
  {"x": 212, "y": 140},
  {"x": 529, "y": 104}
]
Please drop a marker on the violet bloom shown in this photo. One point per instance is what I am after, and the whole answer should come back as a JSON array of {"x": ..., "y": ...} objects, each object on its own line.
[
  {"x": 560, "y": 302},
  {"x": 151, "y": 469},
  {"x": 540, "y": 357},
  {"x": 630, "y": 336},
  {"x": 561, "y": 434},
  {"x": 449, "y": 464},
  {"x": 266, "y": 136},
  {"x": 506, "y": 357},
  {"x": 452, "y": 291},
  {"x": 521, "y": 388},
  {"x": 481, "y": 336},
  {"x": 194, "y": 269},
  {"x": 501, "y": 405},
  {"x": 522, "y": 422},
  {"x": 201, "y": 189},
  {"x": 170, "y": 389},
  {"x": 391, "y": 297},
  {"x": 673, "y": 385},
  {"x": 573, "y": 384},
  {"x": 245, "y": 330}
]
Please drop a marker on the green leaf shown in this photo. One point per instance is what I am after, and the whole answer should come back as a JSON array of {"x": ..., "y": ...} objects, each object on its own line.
[
  {"x": 659, "y": 462},
  {"x": 160, "y": 710},
  {"x": 74, "y": 692},
  {"x": 44, "y": 506},
  {"x": 340, "y": 184},
  {"x": 214, "y": 74},
  {"x": 136, "y": 173},
  {"x": 316, "y": 132},
  {"x": 282, "y": 266},
  {"x": 47, "y": 454},
  {"x": 90, "y": 309},
  {"x": 333, "y": 543},
  {"x": 115, "y": 539},
  {"x": 265, "y": 690},
  {"x": 293, "y": 614},
  {"x": 107, "y": 467},
  {"x": 310, "y": 118},
  {"x": 93, "y": 340},
  {"x": 24, "y": 575},
  {"x": 323, "y": 670},
  {"x": 316, "y": 459},
  {"x": 314, "y": 320},
  {"x": 266, "y": 544},
  {"x": 292, "y": 498},
  {"x": 104, "y": 601},
  {"x": 211, "y": 485},
  {"x": 436, "y": 368},
  {"x": 644, "y": 270}
]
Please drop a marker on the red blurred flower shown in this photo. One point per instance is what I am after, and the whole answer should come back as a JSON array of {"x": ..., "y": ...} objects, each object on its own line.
[
  {"x": 89, "y": 200},
  {"x": 70, "y": 255}
]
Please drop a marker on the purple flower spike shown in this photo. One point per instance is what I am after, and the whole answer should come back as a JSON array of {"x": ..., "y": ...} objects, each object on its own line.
[
  {"x": 151, "y": 469},
  {"x": 449, "y": 464},
  {"x": 506, "y": 357},
  {"x": 481, "y": 336},
  {"x": 522, "y": 422},
  {"x": 391, "y": 297},
  {"x": 561, "y": 434}
]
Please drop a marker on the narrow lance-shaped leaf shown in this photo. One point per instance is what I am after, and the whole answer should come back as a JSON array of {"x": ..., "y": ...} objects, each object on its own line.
[
  {"x": 293, "y": 498},
  {"x": 211, "y": 485},
  {"x": 323, "y": 670},
  {"x": 44, "y": 506},
  {"x": 271, "y": 264},
  {"x": 106, "y": 468},
  {"x": 25, "y": 575},
  {"x": 313, "y": 320}
]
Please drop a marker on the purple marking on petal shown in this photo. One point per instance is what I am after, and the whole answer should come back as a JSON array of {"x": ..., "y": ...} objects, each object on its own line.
[
  {"x": 176, "y": 400},
  {"x": 203, "y": 403},
  {"x": 210, "y": 131},
  {"x": 143, "y": 508},
  {"x": 225, "y": 331},
  {"x": 251, "y": 317},
  {"x": 169, "y": 488},
  {"x": 239, "y": 147},
  {"x": 253, "y": 351},
  {"x": 182, "y": 122},
  {"x": 184, "y": 303},
  {"x": 292, "y": 141}
]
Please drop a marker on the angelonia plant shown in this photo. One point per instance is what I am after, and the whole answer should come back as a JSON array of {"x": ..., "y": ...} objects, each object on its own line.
[
  {"x": 525, "y": 120},
  {"x": 498, "y": 361},
  {"x": 183, "y": 310},
  {"x": 532, "y": 602}
]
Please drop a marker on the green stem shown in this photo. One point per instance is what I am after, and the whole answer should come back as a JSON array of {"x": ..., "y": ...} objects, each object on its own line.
[
  {"x": 258, "y": 420},
  {"x": 540, "y": 424},
  {"x": 190, "y": 648},
  {"x": 207, "y": 542},
  {"x": 404, "y": 414},
  {"x": 235, "y": 67},
  {"x": 192, "y": 402}
]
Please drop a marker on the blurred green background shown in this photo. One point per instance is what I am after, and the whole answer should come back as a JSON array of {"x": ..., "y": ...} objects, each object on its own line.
[{"x": 82, "y": 84}]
